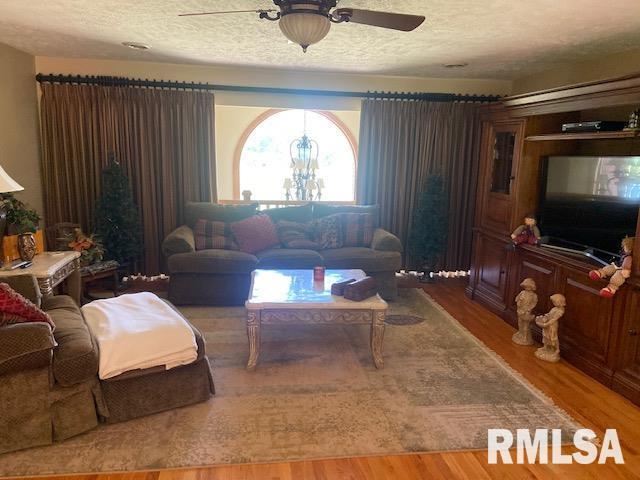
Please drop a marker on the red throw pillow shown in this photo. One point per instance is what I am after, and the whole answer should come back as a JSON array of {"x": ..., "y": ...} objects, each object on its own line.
[
  {"x": 17, "y": 309},
  {"x": 210, "y": 234},
  {"x": 255, "y": 234}
]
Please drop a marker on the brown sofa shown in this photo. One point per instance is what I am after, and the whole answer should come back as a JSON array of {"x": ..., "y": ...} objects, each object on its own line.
[
  {"x": 49, "y": 387},
  {"x": 222, "y": 277}
]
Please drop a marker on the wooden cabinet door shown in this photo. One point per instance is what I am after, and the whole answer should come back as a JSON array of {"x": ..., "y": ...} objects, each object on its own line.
[
  {"x": 491, "y": 261},
  {"x": 502, "y": 144},
  {"x": 585, "y": 329},
  {"x": 626, "y": 378},
  {"x": 542, "y": 271}
]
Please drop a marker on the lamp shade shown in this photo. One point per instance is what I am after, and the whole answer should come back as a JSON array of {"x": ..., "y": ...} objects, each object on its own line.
[
  {"x": 304, "y": 28},
  {"x": 8, "y": 184}
]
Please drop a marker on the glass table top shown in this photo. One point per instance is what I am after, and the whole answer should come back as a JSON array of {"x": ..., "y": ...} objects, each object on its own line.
[{"x": 291, "y": 288}]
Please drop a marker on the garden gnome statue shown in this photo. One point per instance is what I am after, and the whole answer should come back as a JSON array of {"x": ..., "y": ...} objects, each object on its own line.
[
  {"x": 526, "y": 301},
  {"x": 550, "y": 350}
]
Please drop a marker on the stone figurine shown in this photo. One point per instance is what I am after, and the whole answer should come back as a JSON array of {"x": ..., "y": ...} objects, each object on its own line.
[
  {"x": 618, "y": 273},
  {"x": 526, "y": 301},
  {"x": 550, "y": 350}
]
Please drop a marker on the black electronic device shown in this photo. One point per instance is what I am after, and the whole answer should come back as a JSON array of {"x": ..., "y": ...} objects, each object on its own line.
[{"x": 595, "y": 126}]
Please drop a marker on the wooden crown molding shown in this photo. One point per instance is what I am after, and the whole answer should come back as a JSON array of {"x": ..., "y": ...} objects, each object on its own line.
[{"x": 581, "y": 96}]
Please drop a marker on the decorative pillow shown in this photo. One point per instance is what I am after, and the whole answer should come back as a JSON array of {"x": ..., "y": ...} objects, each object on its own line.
[
  {"x": 357, "y": 229},
  {"x": 255, "y": 234},
  {"x": 296, "y": 235},
  {"x": 17, "y": 309},
  {"x": 327, "y": 232},
  {"x": 209, "y": 234}
]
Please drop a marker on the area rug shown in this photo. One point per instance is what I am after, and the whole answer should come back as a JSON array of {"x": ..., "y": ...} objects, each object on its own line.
[{"x": 316, "y": 394}]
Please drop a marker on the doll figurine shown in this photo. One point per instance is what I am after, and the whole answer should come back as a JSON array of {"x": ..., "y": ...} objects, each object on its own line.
[
  {"x": 550, "y": 350},
  {"x": 526, "y": 301},
  {"x": 618, "y": 273},
  {"x": 528, "y": 233}
]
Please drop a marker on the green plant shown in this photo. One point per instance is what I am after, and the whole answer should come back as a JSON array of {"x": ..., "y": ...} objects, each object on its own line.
[
  {"x": 430, "y": 224},
  {"x": 20, "y": 218},
  {"x": 117, "y": 222}
]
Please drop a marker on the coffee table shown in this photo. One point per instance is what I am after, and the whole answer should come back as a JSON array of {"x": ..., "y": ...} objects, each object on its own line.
[{"x": 291, "y": 297}]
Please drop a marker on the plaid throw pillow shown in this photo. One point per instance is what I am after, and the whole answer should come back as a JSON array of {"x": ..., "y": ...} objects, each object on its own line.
[
  {"x": 14, "y": 308},
  {"x": 327, "y": 232},
  {"x": 357, "y": 229},
  {"x": 209, "y": 234},
  {"x": 296, "y": 235}
]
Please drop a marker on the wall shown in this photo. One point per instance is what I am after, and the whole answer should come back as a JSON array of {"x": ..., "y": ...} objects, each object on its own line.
[
  {"x": 231, "y": 123},
  {"x": 19, "y": 126},
  {"x": 605, "y": 67}
]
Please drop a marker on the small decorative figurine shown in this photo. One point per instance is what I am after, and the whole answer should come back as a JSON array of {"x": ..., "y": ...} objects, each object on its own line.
[
  {"x": 618, "y": 273},
  {"x": 634, "y": 120},
  {"x": 528, "y": 233},
  {"x": 246, "y": 195},
  {"x": 526, "y": 301},
  {"x": 550, "y": 350}
]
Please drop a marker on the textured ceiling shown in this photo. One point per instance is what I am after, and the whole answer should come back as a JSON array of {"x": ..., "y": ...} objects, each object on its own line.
[{"x": 497, "y": 38}]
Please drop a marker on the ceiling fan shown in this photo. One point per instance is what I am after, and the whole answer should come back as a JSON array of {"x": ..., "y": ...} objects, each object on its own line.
[{"x": 306, "y": 22}]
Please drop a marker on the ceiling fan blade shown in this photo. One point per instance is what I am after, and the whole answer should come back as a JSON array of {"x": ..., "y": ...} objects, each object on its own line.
[
  {"x": 228, "y": 11},
  {"x": 396, "y": 21}
]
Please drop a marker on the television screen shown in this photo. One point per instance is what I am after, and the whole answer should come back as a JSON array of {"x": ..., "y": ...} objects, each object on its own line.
[
  {"x": 601, "y": 178},
  {"x": 590, "y": 200}
]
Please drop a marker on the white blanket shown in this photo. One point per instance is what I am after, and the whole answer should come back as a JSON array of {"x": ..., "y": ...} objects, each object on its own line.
[{"x": 138, "y": 331}]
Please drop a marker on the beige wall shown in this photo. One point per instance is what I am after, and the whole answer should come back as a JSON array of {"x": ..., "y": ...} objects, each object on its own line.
[
  {"x": 605, "y": 67},
  {"x": 232, "y": 121},
  {"x": 19, "y": 127}
]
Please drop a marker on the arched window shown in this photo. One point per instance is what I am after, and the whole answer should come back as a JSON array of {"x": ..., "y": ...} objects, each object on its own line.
[{"x": 265, "y": 160}]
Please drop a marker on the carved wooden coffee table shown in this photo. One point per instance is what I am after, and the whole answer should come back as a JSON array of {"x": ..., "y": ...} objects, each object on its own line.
[{"x": 291, "y": 297}]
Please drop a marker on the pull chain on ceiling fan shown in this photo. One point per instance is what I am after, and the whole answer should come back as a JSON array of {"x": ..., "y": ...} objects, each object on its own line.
[{"x": 306, "y": 22}]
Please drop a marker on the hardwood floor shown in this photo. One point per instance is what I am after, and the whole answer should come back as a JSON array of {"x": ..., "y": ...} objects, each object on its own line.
[{"x": 587, "y": 401}]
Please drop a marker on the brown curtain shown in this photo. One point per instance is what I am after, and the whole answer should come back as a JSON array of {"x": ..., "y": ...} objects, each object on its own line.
[
  {"x": 164, "y": 139},
  {"x": 403, "y": 141}
]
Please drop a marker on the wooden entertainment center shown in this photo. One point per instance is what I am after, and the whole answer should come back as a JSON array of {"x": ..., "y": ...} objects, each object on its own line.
[{"x": 597, "y": 335}]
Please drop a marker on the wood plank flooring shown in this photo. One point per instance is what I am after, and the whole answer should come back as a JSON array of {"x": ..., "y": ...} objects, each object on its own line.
[{"x": 587, "y": 401}]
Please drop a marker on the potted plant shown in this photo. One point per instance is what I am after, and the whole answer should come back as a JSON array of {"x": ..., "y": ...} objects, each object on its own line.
[{"x": 22, "y": 221}]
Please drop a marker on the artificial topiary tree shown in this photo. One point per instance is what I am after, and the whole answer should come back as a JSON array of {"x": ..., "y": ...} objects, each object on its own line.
[
  {"x": 430, "y": 224},
  {"x": 116, "y": 216}
]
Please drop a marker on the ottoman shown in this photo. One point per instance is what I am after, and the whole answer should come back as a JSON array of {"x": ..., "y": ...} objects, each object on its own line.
[{"x": 137, "y": 393}]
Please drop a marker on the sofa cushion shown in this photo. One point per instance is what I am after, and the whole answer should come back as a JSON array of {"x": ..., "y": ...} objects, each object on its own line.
[
  {"x": 296, "y": 235},
  {"x": 255, "y": 234},
  {"x": 14, "y": 308},
  {"x": 211, "y": 234},
  {"x": 213, "y": 261},
  {"x": 193, "y": 211},
  {"x": 357, "y": 229},
  {"x": 322, "y": 210},
  {"x": 291, "y": 258},
  {"x": 299, "y": 214},
  {"x": 75, "y": 358},
  {"x": 327, "y": 232},
  {"x": 362, "y": 258}
]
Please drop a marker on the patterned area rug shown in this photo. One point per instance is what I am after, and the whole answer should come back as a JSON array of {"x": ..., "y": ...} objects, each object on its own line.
[{"x": 316, "y": 394}]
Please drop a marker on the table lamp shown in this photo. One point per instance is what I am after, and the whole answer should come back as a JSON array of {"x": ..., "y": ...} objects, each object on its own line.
[{"x": 7, "y": 185}]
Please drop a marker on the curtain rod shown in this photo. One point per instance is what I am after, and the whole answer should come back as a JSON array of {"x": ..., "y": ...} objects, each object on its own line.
[{"x": 132, "y": 82}]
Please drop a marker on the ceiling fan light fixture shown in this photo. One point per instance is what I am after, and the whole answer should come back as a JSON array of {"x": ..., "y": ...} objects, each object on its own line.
[{"x": 305, "y": 28}]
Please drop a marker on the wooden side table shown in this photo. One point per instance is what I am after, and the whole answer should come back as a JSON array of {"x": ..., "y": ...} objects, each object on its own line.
[
  {"x": 96, "y": 272},
  {"x": 51, "y": 269}
]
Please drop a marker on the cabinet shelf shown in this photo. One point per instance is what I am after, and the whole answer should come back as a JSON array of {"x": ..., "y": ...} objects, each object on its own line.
[{"x": 584, "y": 136}]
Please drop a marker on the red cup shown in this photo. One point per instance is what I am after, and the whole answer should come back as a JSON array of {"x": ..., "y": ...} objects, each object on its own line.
[{"x": 318, "y": 274}]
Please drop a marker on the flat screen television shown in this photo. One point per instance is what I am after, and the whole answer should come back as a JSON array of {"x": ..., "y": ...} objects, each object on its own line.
[{"x": 590, "y": 200}]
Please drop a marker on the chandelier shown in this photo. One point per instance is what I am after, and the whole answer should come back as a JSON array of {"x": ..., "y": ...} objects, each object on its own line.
[{"x": 304, "y": 182}]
